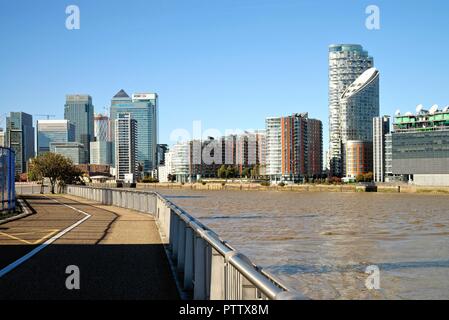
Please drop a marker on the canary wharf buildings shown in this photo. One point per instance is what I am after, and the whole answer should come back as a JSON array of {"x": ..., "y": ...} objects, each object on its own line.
[
  {"x": 143, "y": 108},
  {"x": 353, "y": 100}
]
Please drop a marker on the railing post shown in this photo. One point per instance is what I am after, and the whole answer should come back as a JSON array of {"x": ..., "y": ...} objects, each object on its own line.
[
  {"x": 189, "y": 259},
  {"x": 217, "y": 276},
  {"x": 181, "y": 244},
  {"x": 174, "y": 234},
  {"x": 199, "y": 290}
]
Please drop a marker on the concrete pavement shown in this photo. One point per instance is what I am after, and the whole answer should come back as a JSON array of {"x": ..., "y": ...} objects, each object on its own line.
[{"x": 118, "y": 252}]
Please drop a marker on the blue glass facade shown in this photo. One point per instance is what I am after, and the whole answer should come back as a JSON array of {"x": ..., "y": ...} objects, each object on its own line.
[
  {"x": 143, "y": 109},
  {"x": 49, "y": 131},
  {"x": 79, "y": 110}
]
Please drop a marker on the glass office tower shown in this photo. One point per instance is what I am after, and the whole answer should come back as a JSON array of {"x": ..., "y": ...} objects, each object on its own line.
[
  {"x": 20, "y": 138},
  {"x": 346, "y": 63},
  {"x": 79, "y": 110},
  {"x": 143, "y": 108},
  {"x": 49, "y": 131}
]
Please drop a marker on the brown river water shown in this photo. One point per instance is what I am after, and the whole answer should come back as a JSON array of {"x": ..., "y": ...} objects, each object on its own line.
[{"x": 321, "y": 243}]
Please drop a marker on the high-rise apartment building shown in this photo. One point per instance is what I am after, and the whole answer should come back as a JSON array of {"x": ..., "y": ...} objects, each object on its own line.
[
  {"x": 294, "y": 147},
  {"x": 20, "y": 138},
  {"x": 346, "y": 63},
  {"x": 143, "y": 107},
  {"x": 49, "y": 131},
  {"x": 381, "y": 127},
  {"x": 125, "y": 146},
  {"x": 359, "y": 104},
  {"x": 273, "y": 147},
  {"x": 79, "y": 110}
]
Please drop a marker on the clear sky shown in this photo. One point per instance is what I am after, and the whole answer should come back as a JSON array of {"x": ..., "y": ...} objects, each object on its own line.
[{"x": 228, "y": 63}]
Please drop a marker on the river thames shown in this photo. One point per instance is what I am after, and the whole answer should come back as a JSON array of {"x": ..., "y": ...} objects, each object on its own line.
[{"x": 321, "y": 243}]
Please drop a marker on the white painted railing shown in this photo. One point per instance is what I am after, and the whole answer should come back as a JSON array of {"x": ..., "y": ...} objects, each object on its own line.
[{"x": 206, "y": 267}]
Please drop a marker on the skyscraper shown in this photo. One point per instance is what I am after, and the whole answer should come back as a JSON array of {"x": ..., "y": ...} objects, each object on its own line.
[
  {"x": 101, "y": 148},
  {"x": 20, "y": 138},
  {"x": 143, "y": 108},
  {"x": 125, "y": 146},
  {"x": 359, "y": 104},
  {"x": 381, "y": 127},
  {"x": 346, "y": 63},
  {"x": 49, "y": 131},
  {"x": 79, "y": 110},
  {"x": 102, "y": 131}
]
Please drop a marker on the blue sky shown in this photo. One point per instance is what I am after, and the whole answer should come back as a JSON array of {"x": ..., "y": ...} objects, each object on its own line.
[{"x": 228, "y": 63}]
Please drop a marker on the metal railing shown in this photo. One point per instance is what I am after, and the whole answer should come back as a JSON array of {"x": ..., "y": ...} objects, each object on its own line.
[{"x": 206, "y": 267}]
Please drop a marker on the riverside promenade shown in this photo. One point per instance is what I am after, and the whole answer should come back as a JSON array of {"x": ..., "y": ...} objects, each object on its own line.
[
  {"x": 127, "y": 244},
  {"x": 119, "y": 252}
]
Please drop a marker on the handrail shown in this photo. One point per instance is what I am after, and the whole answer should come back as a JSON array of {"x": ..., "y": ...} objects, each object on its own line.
[{"x": 209, "y": 266}]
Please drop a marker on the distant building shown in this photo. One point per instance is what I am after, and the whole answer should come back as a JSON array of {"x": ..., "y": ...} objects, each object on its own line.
[
  {"x": 102, "y": 128},
  {"x": 125, "y": 146},
  {"x": 2, "y": 137},
  {"x": 143, "y": 107},
  {"x": 347, "y": 62},
  {"x": 167, "y": 168},
  {"x": 101, "y": 152},
  {"x": 72, "y": 150},
  {"x": 359, "y": 155},
  {"x": 180, "y": 161},
  {"x": 20, "y": 138},
  {"x": 273, "y": 147},
  {"x": 420, "y": 146},
  {"x": 381, "y": 127},
  {"x": 294, "y": 147},
  {"x": 359, "y": 104},
  {"x": 79, "y": 110},
  {"x": 161, "y": 151},
  {"x": 250, "y": 150},
  {"x": 49, "y": 131},
  {"x": 101, "y": 147}
]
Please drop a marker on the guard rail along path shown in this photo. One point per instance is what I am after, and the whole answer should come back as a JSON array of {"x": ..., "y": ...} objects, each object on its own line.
[{"x": 206, "y": 266}]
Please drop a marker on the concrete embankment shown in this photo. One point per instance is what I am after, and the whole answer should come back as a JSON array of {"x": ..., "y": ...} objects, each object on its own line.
[{"x": 298, "y": 188}]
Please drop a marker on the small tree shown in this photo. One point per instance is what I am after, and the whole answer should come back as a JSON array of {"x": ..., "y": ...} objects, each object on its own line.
[
  {"x": 245, "y": 173},
  {"x": 56, "y": 168},
  {"x": 221, "y": 173}
]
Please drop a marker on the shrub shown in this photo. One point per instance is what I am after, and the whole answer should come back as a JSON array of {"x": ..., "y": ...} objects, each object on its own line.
[
  {"x": 281, "y": 184},
  {"x": 265, "y": 184}
]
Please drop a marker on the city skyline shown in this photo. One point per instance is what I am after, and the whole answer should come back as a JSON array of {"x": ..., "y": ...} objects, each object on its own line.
[{"x": 229, "y": 78}]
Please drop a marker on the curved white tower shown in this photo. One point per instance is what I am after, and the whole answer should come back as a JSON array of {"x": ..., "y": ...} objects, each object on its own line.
[{"x": 346, "y": 63}]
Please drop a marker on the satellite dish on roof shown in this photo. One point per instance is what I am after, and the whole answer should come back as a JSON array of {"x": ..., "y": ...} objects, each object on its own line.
[
  {"x": 397, "y": 113},
  {"x": 433, "y": 109},
  {"x": 419, "y": 108},
  {"x": 446, "y": 109}
]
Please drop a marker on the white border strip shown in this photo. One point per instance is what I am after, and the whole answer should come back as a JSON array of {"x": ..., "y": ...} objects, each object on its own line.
[{"x": 33, "y": 252}]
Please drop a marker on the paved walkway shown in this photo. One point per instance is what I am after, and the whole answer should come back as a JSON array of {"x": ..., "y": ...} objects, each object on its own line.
[{"x": 118, "y": 252}]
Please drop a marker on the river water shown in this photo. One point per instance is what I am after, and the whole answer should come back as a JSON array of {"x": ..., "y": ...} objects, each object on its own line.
[{"x": 322, "y": 243}]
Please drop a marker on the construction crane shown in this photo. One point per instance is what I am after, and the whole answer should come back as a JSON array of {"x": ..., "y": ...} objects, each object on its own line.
[{"x": 48, "y": 116}]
